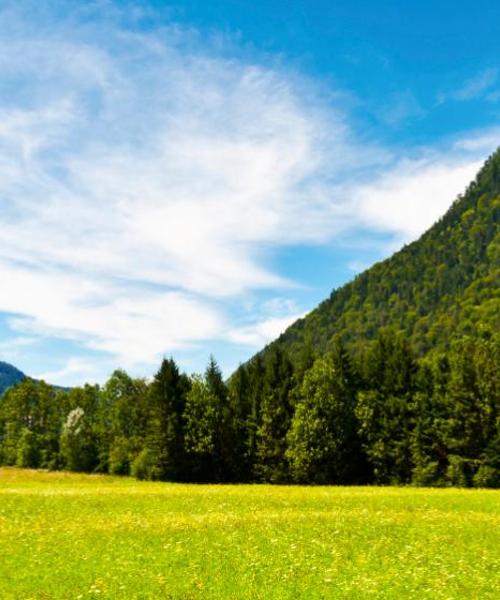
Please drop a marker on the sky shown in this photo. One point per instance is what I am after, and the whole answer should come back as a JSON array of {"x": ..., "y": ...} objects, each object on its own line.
[{"x": 187, "y": 178}]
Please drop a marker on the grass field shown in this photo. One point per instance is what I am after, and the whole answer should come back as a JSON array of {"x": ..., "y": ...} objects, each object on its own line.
[{"x": 75, "y": 536}]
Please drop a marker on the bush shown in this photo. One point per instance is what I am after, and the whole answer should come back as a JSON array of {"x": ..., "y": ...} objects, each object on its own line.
[
  {"x": 428, "y": 474},
  {"x": 119, "y": 457},
  {"x": 144, "y": 466},
  {"x": 27, "y": 450},
  {"x": 461, "y": 471},
  {"x": 487, "y": 477}
]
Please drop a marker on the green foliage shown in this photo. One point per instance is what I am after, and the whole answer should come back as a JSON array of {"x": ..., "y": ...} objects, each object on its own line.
[
  {"x": 274, "y": 418},
  {"x": 487, "y": 477},
  {"x": 386, "y": 408},
  {"x": 121, "y": 455},
  {"x": 322, "y": 441},
  {"x": 246, "y": 390},
  {"x": 461, "y": 471},
  {"x": 78, "y": 450},
  {"x": 209, "y": 428},
  {"x": 27, "y": 449},
  {"x": 407, "y": 391},
  {"x": 119, "y": 421},
  {"x": 144, "y": 466},
  {"x": 30, "y": 418},
  {"x": 388, "y": 418},
  {"x": 165, "y": 436},
  {"x": 441, "y": 287}
]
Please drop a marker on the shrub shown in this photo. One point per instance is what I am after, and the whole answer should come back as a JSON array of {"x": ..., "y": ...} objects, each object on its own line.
[
  {"x": 144, "y": 466},
  {"x": 487, "y": 477}
]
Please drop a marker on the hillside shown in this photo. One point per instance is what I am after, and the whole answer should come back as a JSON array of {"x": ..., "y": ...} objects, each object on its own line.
[
  {"x": 9, "y": 376},
  {"x": 445, "y": 284}
]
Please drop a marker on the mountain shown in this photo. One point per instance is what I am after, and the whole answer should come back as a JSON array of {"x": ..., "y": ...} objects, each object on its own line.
[
  {"x": 9, "y": 376},
  {"x": 444, "y": 285}
]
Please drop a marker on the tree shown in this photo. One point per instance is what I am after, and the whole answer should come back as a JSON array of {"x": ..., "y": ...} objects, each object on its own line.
[
  {"x": 121, "y": 421},
  {"x": 165, "y": 438},
  {"x": 30, "y": 422},
  {"x": 209, "y": 428},
  {"x": 385, "y": 408},
  {"x": 78, "y": 448},
  {"x": 241, "y": 406},
  {"x": 323, "y": 445},
  {"x": 274, "y": 419},
  {"x": 28, "y": 451},
  {"x": 429, "y": 445},
  {"x": 473, "y": 395}
]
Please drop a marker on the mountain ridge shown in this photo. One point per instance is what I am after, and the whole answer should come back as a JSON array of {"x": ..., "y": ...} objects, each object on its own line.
[
  {"x": 441, "y": 286},
  {"x": 9, "y": 376}
]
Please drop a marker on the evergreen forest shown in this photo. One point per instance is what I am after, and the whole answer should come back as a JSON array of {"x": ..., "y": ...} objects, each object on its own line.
[{"x": 395, "y": 379}]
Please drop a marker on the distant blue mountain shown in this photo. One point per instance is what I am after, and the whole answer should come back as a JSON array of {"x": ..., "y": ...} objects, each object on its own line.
[{"x": 9, "y": 376}]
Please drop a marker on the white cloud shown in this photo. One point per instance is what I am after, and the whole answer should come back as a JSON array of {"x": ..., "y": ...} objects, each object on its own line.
[
  {"x": 144, "y": 177},
  {"x": 12, "y": 348},
  {"x": 483, "y": 141},
  {"x": 130, "y": 322},
  {"x": 409, "y": 198},
  {"x": 79, "y": 367},
  {"x": 258, "y": 334}
]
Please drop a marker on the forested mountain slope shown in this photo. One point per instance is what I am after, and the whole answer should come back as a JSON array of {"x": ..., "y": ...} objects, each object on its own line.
[
  {"x": 444, "y": 285},
  {"x": 9, "y": 376}
]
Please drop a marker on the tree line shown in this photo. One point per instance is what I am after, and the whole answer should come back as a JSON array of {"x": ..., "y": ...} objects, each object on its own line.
[{"x": 381, "y": 417}]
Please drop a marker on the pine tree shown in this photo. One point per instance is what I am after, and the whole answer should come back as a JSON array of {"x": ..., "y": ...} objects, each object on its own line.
[
  {"x": 385, "y": 408},
  {"x": 165, "y": 440},
  {"x": 209, "y": 428},
  {"x": 274, "y": 419}
]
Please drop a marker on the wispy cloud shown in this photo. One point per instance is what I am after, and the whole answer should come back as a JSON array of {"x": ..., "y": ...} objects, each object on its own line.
[
  {"x": 143, "y": 174},
  {"x": 400, "y": 107},
  {"x": 493, "y": 96},
  {"x": 74, "y": 366},
  {"x": 146, "y": 176},
  {"x": 483, "y": 142},
  {"x": 12, "y": 348},
  {"x": 474, "y": 87}
]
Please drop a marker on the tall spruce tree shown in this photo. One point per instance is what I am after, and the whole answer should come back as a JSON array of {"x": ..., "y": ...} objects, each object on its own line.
[
  {"x": 274, "y": 419},
  {"x": 240, "y": 399},
  {"x": 209, "y": 428},
  {"x": 385, "y": 408},
  {"x": 165, "y": 438},
  {"x": 429, "y": 443}
]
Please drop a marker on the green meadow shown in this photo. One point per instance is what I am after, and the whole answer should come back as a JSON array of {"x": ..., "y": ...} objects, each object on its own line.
[{"x": 75, "y": 536}]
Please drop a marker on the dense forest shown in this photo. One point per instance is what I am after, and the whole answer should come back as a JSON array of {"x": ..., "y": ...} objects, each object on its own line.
[
  {"x": 395, "y": 379},
  {"x": 443, "y": 286},
  {"x": 389, "y": 419}
]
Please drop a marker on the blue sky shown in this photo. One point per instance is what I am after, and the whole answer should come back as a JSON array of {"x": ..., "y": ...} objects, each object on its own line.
[{"x": 188, "y": 178}]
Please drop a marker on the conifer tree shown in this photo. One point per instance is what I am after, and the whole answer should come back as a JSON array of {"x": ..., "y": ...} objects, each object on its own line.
[
  {"x": 165, "y": 440},
  {"x": 209, "y": 428},
  {"x": 274, "y": 419},
  {"x": 385, "y": 408}
]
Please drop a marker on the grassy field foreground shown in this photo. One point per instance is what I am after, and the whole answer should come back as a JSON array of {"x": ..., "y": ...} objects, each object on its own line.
[{"x": 77, "y": 536}]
